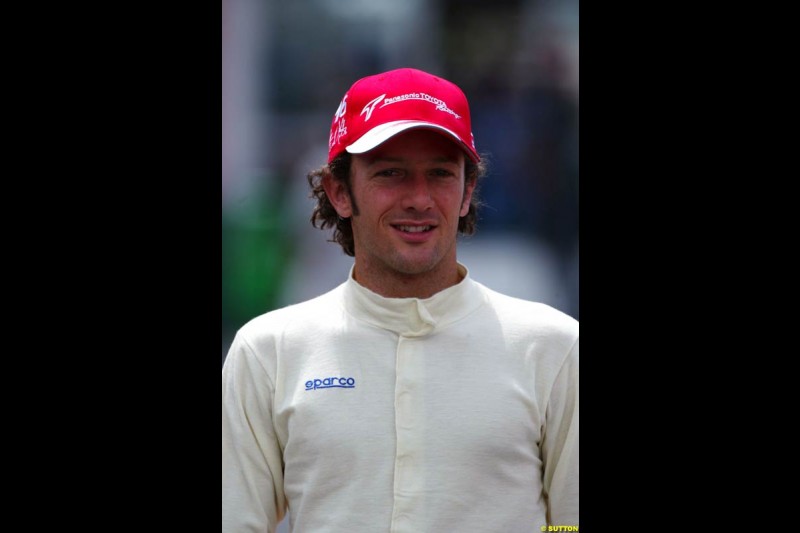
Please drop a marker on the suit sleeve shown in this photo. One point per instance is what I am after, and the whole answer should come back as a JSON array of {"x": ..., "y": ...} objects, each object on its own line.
[
  {"x": 252, "y": 464},
  {"x": 560, "y": 445}
]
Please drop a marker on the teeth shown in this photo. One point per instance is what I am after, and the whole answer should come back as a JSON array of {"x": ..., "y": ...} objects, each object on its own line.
[{"x": 414, "y": 229}]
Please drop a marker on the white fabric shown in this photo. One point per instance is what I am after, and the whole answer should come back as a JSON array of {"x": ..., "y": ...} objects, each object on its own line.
[
  {"x": 383, "y": 132},
  {"x": 462, "y": 415}
]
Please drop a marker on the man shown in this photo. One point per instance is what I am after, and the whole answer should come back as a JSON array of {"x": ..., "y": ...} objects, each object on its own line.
[{"x": 411, "y": 398}]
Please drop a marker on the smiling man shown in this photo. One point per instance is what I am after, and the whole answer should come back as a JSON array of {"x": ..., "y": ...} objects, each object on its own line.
[
  {"x": 410, "y": 398},
  {"x": 405, "y": 198}
]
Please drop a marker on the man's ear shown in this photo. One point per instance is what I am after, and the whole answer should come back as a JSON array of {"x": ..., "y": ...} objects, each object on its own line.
[
  {"x": 468, "y": 188},
  {"x": 338, "y": 195}
]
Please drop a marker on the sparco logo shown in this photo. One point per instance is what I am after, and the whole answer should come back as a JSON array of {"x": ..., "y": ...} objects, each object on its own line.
[{"x": 327, "y": 383}]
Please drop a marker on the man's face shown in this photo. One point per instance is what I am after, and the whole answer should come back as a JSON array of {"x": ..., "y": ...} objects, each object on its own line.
[{"x": 410, "y": 194}]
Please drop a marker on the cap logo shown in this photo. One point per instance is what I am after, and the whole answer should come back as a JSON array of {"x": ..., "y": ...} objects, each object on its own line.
[
  {"x": 341, "y": 129},
  {"x": 370, "y": 106},
  {"x": 341, "y": 109},
  {"x": 441, "y": 105}
]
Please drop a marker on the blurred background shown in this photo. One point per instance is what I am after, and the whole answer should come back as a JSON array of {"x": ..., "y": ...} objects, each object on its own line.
[{"x": 286, "y": 66}]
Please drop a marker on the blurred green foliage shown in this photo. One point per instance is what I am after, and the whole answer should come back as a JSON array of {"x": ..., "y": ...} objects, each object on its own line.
[{"x": 255, "y": 256}]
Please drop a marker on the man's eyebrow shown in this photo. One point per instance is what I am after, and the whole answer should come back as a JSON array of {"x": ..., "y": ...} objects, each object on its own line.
[{"x": 446, "y": 159}]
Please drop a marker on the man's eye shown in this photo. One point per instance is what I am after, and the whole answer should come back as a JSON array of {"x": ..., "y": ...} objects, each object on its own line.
[{"x": 388, "y": 172}]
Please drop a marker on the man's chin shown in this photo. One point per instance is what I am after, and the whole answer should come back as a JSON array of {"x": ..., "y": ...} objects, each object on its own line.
[{"x": 414, "y": 264}]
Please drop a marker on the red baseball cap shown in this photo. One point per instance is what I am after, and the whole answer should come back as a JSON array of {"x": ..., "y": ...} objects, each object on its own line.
[{"x": 379, "y": 107}]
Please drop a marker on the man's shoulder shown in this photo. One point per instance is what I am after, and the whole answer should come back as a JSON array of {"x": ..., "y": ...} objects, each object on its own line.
[
  {"x": 516, "y": 311},
  {"x": 295, "y": 315}
]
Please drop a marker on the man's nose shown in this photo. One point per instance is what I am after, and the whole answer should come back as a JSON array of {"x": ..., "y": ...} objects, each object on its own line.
[{"x": 417, "y": 193}]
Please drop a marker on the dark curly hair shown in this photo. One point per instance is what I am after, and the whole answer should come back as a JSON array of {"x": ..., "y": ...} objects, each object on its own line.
[{"x": 325, "y": 216}]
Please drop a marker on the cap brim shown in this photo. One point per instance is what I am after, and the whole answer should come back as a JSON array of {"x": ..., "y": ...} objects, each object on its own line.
[{"x": 384, "y": 132}]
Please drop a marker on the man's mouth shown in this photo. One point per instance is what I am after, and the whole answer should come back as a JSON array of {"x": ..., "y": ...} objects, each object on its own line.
[{"x": 413, "y": 229}]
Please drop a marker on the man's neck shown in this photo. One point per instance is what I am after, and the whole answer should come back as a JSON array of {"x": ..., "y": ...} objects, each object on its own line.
[{"x": 399, "y": 285}]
